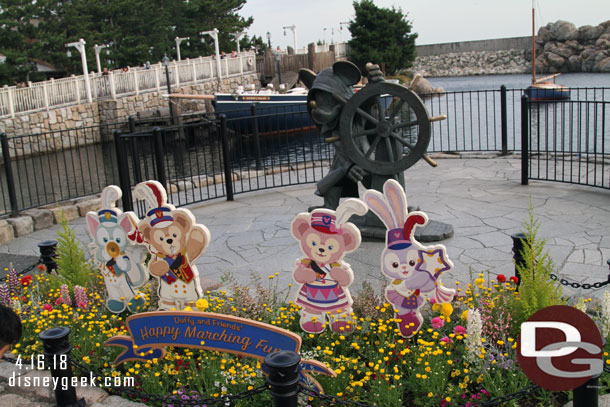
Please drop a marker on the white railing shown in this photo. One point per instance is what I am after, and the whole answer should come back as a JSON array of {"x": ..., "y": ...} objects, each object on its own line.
[
  {"x": 341, "y": 49},
  {"x": 71, "y": 91}
]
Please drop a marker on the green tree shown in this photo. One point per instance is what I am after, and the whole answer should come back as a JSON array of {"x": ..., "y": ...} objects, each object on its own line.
[
  {"x": 381, "y": 35},
  {"x": 136, "y": 31}
]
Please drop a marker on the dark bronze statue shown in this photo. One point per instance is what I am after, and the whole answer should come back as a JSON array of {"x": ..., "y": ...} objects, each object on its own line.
[
  {"x": 328, "y": 92},
  {"x": 377, "y": 132}
]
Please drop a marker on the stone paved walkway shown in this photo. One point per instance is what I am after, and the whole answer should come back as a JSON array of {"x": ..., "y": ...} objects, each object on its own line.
[{"x": 481, "y": 198}]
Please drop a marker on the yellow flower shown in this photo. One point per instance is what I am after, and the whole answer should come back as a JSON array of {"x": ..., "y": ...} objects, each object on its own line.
[
  {"x": 202, "y": 304},
  {"x": 464, "y": 316},
  {"x": 446, "y": 309}
]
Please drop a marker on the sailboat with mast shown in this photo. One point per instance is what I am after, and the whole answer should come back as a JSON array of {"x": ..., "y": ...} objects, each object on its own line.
[{"x": 542, "y": 89}]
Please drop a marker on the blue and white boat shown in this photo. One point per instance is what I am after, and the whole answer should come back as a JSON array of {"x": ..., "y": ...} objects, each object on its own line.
[{"x": 275, "y": 112}]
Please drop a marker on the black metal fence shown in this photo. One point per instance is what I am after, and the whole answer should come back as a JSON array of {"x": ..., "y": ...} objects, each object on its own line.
[
  {"x": 569, "y": 143},
  {"x": 566, "y": 141},
  {"x": 212, "y": 157}
]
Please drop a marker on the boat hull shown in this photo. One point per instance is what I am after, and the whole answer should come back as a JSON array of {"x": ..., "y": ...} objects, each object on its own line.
[
  {"x": 274, "y": 112},
  {"x": 547, "y": 94}
]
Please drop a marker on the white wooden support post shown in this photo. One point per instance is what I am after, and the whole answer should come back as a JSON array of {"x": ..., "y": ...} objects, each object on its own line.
[
  {"x": 112, "y": 87},
  {"x": 226, "y": 65},
  {"x": 45, "y": 95},
  {"x": 157, "y": 81},
  {"x": 76, "y": 87},
  {"x": 194, "y": 72},
  {"x": 212, "y": 69},
  {"x": 241, "y": 65},
  {"x": 135, "y": 81},
  {"x": 177, "y": 74},
  {"x": 11, "y": 106}
]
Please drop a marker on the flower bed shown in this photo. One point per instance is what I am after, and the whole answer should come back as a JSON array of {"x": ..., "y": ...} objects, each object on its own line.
[{"x": 465, "y": 354}]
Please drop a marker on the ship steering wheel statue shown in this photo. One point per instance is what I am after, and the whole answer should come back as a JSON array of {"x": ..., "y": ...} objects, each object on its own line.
[{"x": 382, "y": 130}]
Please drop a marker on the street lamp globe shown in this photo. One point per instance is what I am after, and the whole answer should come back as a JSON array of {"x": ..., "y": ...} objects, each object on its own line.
[{"x": 165, "y": 59}]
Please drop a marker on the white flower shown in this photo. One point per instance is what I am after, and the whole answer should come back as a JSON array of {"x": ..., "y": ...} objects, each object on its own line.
[
  {"x": 581, "y": 305},
  {"x": 474, "y": 327},
  {"x": 605, "y": 315}
]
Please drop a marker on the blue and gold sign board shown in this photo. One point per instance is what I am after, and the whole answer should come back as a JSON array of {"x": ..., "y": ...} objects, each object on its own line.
[{"x": 151, "y": 332}]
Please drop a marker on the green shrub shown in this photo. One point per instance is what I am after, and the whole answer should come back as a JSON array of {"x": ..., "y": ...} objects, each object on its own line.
[{"x": 536, "y": 290}]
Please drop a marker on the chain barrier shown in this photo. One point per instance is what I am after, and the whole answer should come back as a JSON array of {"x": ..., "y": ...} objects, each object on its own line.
[
  {"x": 223, "y": 400},
  {"x": 22, "y": 272},
  {"x": 331, "y": 399},
  {"x": 584, "y": 286}
]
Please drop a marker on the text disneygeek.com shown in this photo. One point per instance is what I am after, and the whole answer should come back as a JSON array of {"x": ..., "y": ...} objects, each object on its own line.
[{"x": 64, "y": 383}]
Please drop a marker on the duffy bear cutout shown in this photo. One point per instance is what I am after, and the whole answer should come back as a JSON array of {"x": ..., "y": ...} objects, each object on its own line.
[
  {"x": 413, "y": 269},
  {"x": 175, "y": 242},
  {"x": 119, "y": 261},
  {"x": 325, "y": 237}
]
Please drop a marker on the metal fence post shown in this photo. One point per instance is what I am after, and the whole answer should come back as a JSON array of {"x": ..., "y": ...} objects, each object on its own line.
[
  {"x": 587, "y": 394},
  {"x": 524, "y": 140},
  {"x": 519, "y": 241},
  {"x": 132, "y": 123},
  {"x": 56, "y": 343},
  {"x": 504, "y": 119},
  {"x": 257, "y": 140},
  {"x": 225, "y": 157},
  {"x": 123, "y": 168},
  {"x": 8, "y": 169},
  {"x": 159, "y": 156},
  {"x": 48, "y": 254},
  {"x": 283, "y": 377}
]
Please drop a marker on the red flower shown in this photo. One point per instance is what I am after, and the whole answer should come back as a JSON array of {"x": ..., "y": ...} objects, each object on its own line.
[
  {"x": 25, "y": 281},
  {"x": 515, "y": 279},
  {"x": 47, "y": 307},
  {"x": 501, "y": 278},
  {"x": 42, "y": 267}
]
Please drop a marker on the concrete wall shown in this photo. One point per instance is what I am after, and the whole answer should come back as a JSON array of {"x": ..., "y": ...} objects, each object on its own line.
[{"x": 500, "y": 44}]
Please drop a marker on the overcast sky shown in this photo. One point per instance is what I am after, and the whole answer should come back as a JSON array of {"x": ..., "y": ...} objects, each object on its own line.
[{"x": 435, "y": 21}]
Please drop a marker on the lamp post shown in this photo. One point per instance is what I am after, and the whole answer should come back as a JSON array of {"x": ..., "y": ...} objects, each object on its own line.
[
  {"x": 98, "y": 49},
  {"x": 237, "y": 38},
  {"x": 324, "y": 36},
  {"x": 269, "y": 39},
  {"x": 80, "y": 47},
  {"x": 294, "y": 35},
  {"x": 278, "y": 60},
  {"x": 341, "y": 30},
  {"x": 165, "y": 61},
  {"x": 178, "y": 42},
  {"x": 214, "y": 34}
]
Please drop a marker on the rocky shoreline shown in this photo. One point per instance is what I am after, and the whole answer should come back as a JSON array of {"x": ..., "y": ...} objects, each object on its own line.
[{"x": 560, "y": 47}]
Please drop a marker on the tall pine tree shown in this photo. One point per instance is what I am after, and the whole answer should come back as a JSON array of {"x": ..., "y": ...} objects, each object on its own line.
[{"x": 381, "y": 36}]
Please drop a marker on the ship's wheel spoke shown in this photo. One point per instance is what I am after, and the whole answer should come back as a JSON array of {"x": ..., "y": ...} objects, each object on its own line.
[
  {"x": 373, "y": 147},
  {"x": 403, "y": 125},
  {"x": 402, "y": 141},
  {"x": 367, "y": 116},
  {"x": 365, "y": 133},
  {"x": 395, "y": 109},
  {"x": 388, "y": 144}
]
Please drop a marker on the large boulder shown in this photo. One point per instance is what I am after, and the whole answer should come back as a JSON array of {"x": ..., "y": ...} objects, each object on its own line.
[
  {"x": 604, "y": 65},
  {"x": 555, "y": 60},
  {"x": 589, "y": 33},
  {"x": 422, "y": 86},
  {"x": 603, "y": 42},
  {"x": 564, "y": 31}
]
